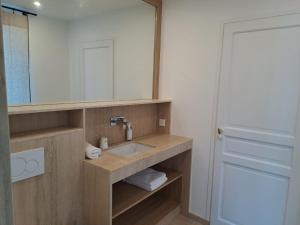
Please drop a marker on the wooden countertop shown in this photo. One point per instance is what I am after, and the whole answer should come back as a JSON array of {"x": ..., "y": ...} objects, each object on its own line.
[
  {"x": 25, "y": 109},
  {"x": 120, "y": 167}
]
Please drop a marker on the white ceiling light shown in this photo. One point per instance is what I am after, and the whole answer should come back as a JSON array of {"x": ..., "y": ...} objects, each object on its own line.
[{"x": 37, "y": 4}]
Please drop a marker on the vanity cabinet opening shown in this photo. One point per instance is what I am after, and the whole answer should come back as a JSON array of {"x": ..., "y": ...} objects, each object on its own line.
[
  {"x": 133, "y": 205},
  {"x": 44, "y": 124}
]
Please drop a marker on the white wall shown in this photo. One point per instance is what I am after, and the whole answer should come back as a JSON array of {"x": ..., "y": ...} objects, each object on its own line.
[
  {"x": 49, "y": 59},
  {"x": 132, "y": 31},
  {"x": 191, "y": 43}
]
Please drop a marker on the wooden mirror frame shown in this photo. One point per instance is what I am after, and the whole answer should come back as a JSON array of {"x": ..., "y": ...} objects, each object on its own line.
[{"x": 157, "y": 45}]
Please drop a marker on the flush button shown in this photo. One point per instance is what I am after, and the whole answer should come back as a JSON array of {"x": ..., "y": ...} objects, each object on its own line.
[
  {"x": 31, "y": 166},
  {"x": 19, "y": 168},
  {"x": 27, "y": 164}
]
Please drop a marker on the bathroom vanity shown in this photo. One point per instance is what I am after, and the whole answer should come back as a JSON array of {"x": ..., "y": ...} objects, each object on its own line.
[
  {"x": 119, "y": 203},
  {"x": 76, "y": 191}
]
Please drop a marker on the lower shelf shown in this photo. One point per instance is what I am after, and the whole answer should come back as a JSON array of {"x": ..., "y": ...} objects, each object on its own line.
[
  {"x": 151, "y": 212},
  {"x": 126, "y": 196}
]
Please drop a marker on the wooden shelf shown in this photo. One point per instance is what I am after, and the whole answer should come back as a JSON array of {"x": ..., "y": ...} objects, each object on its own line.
[
  {"x": 55, "y": 107},
  {"x": 151, "y": 212},
  {"x": 126, "y": 196},
  {"x": 42, "y": 133}
]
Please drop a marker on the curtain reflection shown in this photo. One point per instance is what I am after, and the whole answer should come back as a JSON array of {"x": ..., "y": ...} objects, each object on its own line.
[{"x": 15, "y": 41}]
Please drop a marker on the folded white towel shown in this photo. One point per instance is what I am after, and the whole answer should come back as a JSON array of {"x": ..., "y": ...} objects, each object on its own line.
[
  {"x": 148, "y": 179},
  {"x": 92, "y": 152},
  {"x": 151, "y": 187}
]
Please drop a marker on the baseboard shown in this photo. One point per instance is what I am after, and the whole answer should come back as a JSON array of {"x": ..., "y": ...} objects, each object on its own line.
[{"x": 198, "y": 219}]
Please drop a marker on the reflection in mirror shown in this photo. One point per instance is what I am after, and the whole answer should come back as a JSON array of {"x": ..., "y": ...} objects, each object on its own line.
[{"x": 78, "y": 50}]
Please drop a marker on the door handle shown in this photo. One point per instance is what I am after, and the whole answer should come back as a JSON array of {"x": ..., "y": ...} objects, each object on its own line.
[{"x": 220, "y": 133}]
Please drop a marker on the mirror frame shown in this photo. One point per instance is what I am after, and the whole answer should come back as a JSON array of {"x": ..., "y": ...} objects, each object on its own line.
[{"x": 157, "y": 45}]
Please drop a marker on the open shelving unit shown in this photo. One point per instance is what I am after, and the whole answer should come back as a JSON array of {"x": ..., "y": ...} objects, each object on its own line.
[
  {"x": 135, "y": 206},
  {"x": 46, "y": 124}
]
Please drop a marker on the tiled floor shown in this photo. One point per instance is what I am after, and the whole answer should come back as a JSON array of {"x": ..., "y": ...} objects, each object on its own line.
[{"x": 181, "y": 220}]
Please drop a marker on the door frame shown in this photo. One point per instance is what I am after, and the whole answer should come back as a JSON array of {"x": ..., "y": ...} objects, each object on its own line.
[
  {"x": 216, "y": 98},
  {"x": 6, "y": 215}
]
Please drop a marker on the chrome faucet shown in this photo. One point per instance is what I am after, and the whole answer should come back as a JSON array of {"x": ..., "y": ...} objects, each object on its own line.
[
  {"x": 121, "y": 120},
  {"x": 118, "y": 120}
]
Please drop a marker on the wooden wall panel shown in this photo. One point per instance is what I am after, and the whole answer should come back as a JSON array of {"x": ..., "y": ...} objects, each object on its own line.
[
  {"x": 144, "y": 119},
  {"x": 55, "y": 197},
  {"x": 164, "y": 112}
]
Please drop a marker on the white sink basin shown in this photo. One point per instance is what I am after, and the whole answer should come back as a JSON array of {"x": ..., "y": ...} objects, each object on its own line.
[{"x": 129, "y": 149}]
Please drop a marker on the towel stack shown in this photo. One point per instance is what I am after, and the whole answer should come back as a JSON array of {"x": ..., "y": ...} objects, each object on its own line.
[
  {"x": 92, "y": 152},
  {"x": 148, "y": 179}
]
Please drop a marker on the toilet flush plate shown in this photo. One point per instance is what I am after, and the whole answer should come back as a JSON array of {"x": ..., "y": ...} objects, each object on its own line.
[{"x": 27, "y": 164}]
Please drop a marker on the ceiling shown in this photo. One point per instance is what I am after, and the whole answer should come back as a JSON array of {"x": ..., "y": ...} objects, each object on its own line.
[{"x": 72, "y": 9}]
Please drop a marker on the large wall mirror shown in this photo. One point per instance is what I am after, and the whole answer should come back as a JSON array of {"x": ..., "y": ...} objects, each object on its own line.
[{"x": 80, "y": 50}]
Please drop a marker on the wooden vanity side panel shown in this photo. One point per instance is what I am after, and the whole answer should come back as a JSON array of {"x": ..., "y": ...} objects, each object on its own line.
[
  {"x": 97, "y": 204},
  {"x": 144, "y": 119},
  {"x": 182, "y": 163},
  {"x": 56, "y": 196}
]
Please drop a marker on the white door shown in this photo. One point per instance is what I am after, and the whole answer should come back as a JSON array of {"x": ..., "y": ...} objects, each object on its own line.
[
  {"x": 97, "y": 69},
  {"x": 257, "y": 151}
]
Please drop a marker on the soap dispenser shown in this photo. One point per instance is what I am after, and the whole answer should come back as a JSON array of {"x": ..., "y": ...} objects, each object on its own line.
[{"x": 129, "y": 132}]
